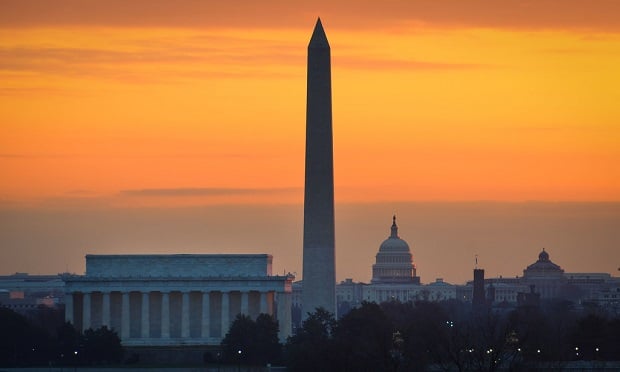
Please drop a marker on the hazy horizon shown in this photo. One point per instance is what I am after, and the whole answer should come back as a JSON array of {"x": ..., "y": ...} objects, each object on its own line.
[{"x": 444, "y": 237}]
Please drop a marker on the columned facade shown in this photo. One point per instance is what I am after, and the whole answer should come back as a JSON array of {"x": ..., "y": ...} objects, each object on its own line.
[
  {"x": 179, "y": 309},
  {"x": 105, "y": 309}
]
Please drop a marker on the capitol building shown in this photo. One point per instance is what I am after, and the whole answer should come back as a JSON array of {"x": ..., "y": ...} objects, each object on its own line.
[
  {"x": 394, "y": 278},
  {"x": 394, "y": 261},
  {"x": 394, "y": 275},
  {"x": 394, "y": 272}
]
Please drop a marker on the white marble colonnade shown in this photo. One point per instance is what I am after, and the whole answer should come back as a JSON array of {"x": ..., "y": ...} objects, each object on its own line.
[
  {"x": 196, "y": 321},
  {"x": 178, "y": 299}
]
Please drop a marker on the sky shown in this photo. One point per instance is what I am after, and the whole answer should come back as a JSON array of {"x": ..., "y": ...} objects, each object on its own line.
[{"x": 489, "y": 128}]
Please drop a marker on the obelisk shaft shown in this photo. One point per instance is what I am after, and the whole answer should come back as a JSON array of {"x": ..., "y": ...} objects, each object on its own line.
[{"x": 319, "y": 273}]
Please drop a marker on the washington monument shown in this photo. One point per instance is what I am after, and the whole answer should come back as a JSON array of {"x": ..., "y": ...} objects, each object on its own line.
[{"x": 319, "y": 272}]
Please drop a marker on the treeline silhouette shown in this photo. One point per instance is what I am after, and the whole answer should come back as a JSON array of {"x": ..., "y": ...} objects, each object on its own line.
[
  {"x": 392, "y": 336},
  {"x": 451, "y": 335},
  {"x": 418, "y": 336},
  {"x": 43, "y": 339}
]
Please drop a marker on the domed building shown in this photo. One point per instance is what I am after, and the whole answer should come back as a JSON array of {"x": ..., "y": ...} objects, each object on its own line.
[
  {"x": 543, "y": 268},
  {"x": 547, "y": 277},
  {"x": 394, "y": 263}
]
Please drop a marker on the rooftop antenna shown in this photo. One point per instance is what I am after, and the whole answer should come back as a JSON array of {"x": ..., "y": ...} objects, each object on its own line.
[{"x": 476, "y": 257}]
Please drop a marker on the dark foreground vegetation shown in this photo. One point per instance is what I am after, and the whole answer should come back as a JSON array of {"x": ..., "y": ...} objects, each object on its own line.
[
  {"x": 45, "y": 340},
  {"x": 451, "y": 336},
  {"x": 418, "y": 336},
  {"x": 392, "y": 336}
]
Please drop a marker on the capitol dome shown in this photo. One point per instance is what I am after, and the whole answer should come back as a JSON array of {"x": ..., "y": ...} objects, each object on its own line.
[
  {"x": 394, "y": 243},
  {"x": 394, "y": 263}
]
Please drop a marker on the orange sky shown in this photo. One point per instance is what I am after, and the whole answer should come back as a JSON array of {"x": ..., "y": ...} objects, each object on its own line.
[
  {"x": 186, "y": 103},
  {"x": 517, "y": 102}
]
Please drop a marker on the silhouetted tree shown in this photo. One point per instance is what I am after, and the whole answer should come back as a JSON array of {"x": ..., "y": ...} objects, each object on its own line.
[
  {"x": 449, "y": 335},
  {"x": 364, "y": 340},
  {"x": 596, "y": 338},
  {"x": 47, "y": 318},
  {"x": 436, "y": 337},
  {"x": 67, "y": 343},
  {"x": 21, "y": 343},
  {"x": 267, "y": 344},
  {"x": 611, "y": 348},
  {"x": 239, "y": 340},
  {"x": 312, "y": 347},
  {"x": 343, "y": 308},
  {"x": 492, "y": 340},
  {"x": 399, "y": 313},
  {"x": 252, "y": 342},
  {"x": 101, "y": 345}
]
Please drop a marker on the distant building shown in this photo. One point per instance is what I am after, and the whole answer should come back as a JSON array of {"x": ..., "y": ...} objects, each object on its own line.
[
  {"x": 350, "y": 293},
  {"x": 392, "y": 292},
  {"x": 545, "y": 280},
  {"x": 465, "y": 293},
  {"x": 22, "y": 292},
  {"x": 479, "y": 298},
  {"x": 394, "y": 273},
  {"x": 439, "y": 290},
  {"x": 507, "y": 292},
  {"x": 608, "y": 295},
  {"x": 296, "y": 304},
  {"x": 528, "y": 299},
  {"x": 168, "y": 300},
  {"x": 394, "y": 278},
  {"x": 585, "y": 285},
  {"x": 547, "y": 277},
  {"x": 394, "y": 262}
]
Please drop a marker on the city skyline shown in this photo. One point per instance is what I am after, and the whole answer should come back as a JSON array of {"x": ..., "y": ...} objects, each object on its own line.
[
  {"x": 444, "y": 237},
  {"x": 144, "y": 114}
]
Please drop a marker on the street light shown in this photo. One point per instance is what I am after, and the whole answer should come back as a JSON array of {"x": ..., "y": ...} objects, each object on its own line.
[{"x": 239, "y": 365}]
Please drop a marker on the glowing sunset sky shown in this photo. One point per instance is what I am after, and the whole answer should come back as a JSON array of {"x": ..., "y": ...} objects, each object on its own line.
[{"x": 155, "y": 106}]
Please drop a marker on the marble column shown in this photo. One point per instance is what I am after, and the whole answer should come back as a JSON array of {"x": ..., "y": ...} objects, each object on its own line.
[
  {"x": 69, "y": 308},
  {"x": 125, "y": 313},
  {"x": 244, "y": 303},
  {"x": 165, "y": 315},
  {"x": 144, "y": 328},
  {"x": 225, "y": 313},
  {"x": 263, "y": 302},
  {"x": 86, "y": 311},
  {"x": 185, "y": 315},
  {"x": 105, "y": 309},
  {"x": 284, "y": 315},
  {"x": 206, "y": 303}
]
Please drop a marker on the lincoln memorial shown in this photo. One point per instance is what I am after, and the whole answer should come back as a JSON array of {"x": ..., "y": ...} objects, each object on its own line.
[{"x": 184, "y": 299}]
